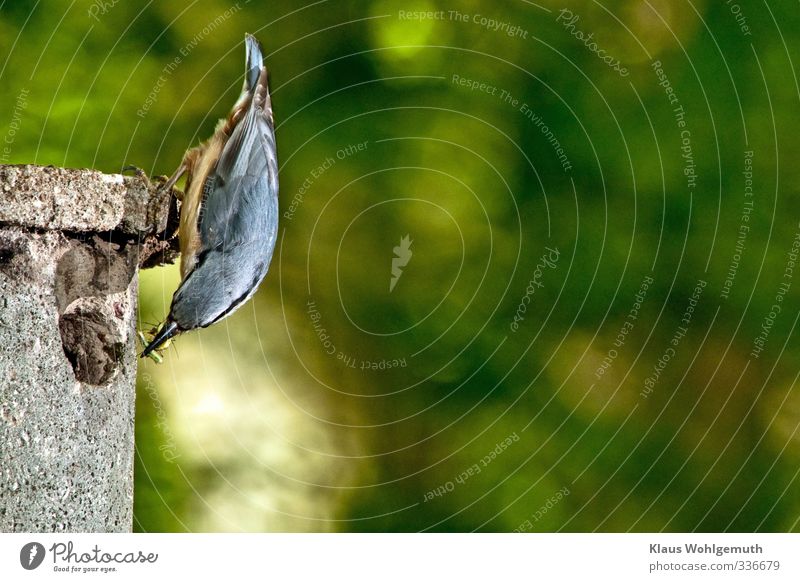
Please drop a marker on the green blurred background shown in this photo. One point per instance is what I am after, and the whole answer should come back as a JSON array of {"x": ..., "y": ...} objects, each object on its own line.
[{"x": 332, "y": 403}]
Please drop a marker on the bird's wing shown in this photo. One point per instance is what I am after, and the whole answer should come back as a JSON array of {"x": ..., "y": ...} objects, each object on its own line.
[{"x": 243, "y": 181}]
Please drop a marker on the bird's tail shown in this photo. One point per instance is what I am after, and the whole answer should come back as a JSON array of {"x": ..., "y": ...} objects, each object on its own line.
[
  {"x": 167, "y": 331},
  {"x": 254, "y": 63},
  {"x": 256, "y": 88}
]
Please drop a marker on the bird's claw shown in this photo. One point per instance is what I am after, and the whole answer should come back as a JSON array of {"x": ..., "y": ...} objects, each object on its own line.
[{"x": 140, "y": 173}]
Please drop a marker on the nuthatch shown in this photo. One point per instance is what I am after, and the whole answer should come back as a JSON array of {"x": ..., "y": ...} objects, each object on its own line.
[{"x": 229, "y": 211}]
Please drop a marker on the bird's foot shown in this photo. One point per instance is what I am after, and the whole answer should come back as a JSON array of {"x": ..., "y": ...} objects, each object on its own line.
[{"x": 140, "y": 173}]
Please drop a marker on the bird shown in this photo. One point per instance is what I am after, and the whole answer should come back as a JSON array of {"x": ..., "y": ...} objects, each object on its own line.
[{"x": 229, "y": 210}]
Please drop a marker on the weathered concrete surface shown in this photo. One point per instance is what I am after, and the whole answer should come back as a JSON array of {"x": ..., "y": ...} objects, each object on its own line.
[
  {"x": 49, "y": 198},
  {"x": 70, "y": 245}
]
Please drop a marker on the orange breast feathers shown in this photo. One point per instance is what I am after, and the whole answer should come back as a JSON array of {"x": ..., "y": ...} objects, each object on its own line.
[{"x": 205, "y": 159}]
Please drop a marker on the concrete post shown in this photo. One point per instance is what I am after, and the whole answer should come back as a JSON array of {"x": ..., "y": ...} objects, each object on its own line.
[{"x": 71, "y": 242}]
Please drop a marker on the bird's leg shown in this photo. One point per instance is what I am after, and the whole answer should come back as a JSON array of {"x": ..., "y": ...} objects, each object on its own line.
[
  {"x": 186, "y": 166},
  {"x": 170, "y": 182}
]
